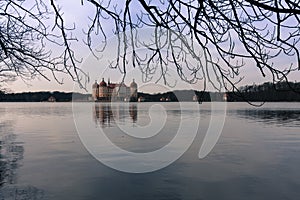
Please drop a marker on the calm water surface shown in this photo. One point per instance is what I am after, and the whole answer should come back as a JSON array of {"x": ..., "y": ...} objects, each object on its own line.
[{"x": 256, "y": 157}]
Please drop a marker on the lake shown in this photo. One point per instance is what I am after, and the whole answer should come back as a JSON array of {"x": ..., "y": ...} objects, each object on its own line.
[{"x": 54, "y": 151}]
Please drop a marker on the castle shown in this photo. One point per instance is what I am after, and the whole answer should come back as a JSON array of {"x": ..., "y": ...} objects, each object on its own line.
[{"x": 114, "y": 91}]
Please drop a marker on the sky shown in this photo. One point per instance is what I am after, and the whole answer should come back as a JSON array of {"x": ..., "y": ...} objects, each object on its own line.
[{"x": 98, "y": 68}]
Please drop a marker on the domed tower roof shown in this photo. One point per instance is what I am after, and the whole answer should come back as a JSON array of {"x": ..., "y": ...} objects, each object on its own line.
[
  {"x": 95, "y": 85},
  {"x": 103, "y": 83},
  {"x": 133, "y": 84}
]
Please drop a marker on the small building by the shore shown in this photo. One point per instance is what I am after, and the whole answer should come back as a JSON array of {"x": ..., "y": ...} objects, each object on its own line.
[{"x": 51, "y": 99}]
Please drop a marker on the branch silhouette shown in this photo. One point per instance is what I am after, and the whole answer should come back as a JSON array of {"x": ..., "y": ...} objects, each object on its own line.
[{"x": 207, "y": 42}]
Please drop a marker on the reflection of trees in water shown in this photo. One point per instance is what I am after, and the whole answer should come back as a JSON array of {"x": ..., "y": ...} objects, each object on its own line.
[
  {"x": 105, "y": 114},
  {"x": 21, "y": 192},
  {"x": 11, "y": 153},
  {"x": 279, "y": 117}
]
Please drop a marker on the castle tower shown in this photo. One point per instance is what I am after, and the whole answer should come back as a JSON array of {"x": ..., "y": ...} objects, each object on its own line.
[
  {"x": 95, "y": 91},
  {"x": 103, "y": 91},
  {"x": 133, "y": 91}
]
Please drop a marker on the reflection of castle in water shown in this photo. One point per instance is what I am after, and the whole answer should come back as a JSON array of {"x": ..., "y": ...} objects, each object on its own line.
[
  {"x": 114, "y": 92},
  {"x": 106, "y": 114}
]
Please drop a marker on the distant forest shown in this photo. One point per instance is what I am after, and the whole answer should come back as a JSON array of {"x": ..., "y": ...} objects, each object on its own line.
[
  {"x": 282, "y": 91},
  {"x": 254, "y": 93},
  {"x": 43, "y": 97}
]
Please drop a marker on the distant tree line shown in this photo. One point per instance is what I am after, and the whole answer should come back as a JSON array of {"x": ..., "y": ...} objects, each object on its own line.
[
  {"x": 42, "y": 96},
  {"x": 280, "y": 91},
  {"x": 252, "y": 93}
]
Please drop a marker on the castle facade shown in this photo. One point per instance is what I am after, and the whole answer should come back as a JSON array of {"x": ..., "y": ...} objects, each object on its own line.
[{"x": 114, "y": 91}]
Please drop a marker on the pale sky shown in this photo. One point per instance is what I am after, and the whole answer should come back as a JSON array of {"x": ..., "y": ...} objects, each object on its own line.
[{"x": 97, "y": 69}]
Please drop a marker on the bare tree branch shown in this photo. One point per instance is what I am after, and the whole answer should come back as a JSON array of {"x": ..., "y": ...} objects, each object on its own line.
[{"x": 207, "y": 42}]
